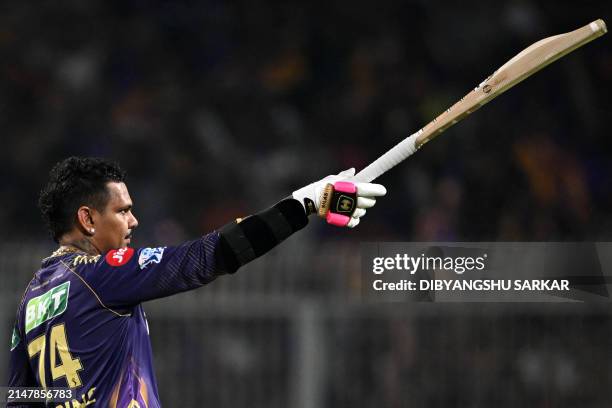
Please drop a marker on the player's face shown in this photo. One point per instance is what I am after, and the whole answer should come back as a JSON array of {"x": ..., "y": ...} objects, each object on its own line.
[{"x": 115, "y": 224}]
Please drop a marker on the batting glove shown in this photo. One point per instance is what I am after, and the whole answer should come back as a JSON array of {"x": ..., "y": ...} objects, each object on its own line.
[{"x": 339, "y": 200}]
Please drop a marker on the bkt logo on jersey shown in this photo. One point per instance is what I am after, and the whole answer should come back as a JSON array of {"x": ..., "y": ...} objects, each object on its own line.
[
  {"x": 150, "y": 256},
  {"x": 46, "y": 306}
]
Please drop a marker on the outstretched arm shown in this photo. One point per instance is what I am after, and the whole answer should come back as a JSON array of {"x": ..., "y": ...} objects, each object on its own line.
[{"x": 127, "y": 276}]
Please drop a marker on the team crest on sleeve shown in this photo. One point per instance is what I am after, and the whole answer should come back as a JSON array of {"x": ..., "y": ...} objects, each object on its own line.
[
  {"x": 119, "y": 257},
  {"x": 149, "y": 256}
]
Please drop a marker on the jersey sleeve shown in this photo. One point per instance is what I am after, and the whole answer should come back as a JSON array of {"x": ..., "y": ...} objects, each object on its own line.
[
  {"x": 128, "y": 276},
  {"x": 20, "y": 373}
]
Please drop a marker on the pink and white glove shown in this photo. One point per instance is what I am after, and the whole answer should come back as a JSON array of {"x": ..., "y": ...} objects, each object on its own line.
[{"x": 339, "y": 200}]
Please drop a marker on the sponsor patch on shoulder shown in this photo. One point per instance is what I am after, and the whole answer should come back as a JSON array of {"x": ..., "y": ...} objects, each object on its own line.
[
  {"x": 119, "y": 257},
  {"x": 150, "y": 256}
]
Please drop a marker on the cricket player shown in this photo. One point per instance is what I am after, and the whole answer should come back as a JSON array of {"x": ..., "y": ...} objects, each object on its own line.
[{"x": 81, "y": 324}]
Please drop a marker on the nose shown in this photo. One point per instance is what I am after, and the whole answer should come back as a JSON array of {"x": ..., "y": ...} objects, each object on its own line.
[{"x": 133, "y": 223}]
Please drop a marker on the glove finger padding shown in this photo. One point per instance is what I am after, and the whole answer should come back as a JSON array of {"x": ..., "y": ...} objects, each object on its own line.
[
  {"x": 340, "y": 201},
  {"x": 348, "y": 173},
  {"x": 370, "y": 189},
  {"x": 365, "y": 202},
  {"x": 359, "y": 212},
  {"x": 353, "y": 222}
]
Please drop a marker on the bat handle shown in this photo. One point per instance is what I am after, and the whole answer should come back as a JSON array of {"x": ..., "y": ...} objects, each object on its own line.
[{"x": 387, "y": 161}]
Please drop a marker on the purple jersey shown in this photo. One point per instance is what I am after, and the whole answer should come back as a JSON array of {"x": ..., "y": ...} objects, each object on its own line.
[{"x": 81, "y": 324}]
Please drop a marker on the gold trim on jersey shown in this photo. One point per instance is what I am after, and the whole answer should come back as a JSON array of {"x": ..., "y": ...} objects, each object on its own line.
[{"x": 85, "y": 260}]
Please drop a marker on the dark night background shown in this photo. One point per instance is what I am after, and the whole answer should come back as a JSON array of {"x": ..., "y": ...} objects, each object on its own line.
[{"x": 219, "y": 109}]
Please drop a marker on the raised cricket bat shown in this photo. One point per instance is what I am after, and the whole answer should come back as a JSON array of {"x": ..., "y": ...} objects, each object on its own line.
[{"x": 526, "y": 63}]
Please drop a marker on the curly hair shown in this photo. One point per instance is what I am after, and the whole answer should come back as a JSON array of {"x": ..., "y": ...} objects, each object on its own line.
[{"x": 74, "y": 182}]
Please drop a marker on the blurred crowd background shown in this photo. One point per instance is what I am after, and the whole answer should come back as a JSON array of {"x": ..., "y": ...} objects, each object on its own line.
[{"x": 218, "y": 109}]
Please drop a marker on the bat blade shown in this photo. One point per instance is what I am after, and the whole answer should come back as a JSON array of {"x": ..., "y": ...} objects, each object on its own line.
[{"x": 523, "y": 65}]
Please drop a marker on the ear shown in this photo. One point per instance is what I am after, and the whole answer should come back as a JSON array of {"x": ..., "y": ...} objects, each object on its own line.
[{"x": 85, "y": 220}]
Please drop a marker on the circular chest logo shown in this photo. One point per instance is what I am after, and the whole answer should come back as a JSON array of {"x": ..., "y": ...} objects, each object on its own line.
[{"x": 118, "y": 257}]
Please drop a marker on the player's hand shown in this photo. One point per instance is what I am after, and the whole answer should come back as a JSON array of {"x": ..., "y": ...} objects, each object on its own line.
[{"x": 339, "y": 200}]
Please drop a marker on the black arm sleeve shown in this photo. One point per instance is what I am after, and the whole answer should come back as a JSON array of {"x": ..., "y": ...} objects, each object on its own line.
[{"x": 241, "y": 242}]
